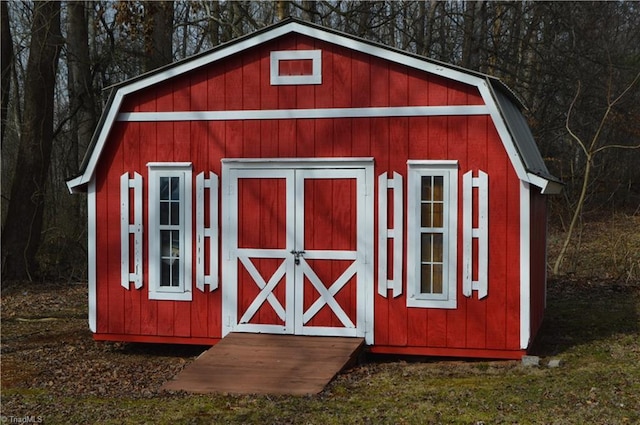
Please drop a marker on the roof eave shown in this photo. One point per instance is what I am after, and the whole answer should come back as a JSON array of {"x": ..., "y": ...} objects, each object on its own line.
[{"x": 547, "y": 186}]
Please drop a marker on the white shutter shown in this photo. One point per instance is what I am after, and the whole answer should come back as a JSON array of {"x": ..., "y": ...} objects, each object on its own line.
[
  {"x": 209, "y": 233},
  {"x": 481, "y": 233},
  {"x": 127, "y": 228},
  {"x": 385, "y": 233}
]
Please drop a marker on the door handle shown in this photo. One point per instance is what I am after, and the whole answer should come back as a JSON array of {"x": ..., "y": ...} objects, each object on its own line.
[{"x": 297, "y": 255}]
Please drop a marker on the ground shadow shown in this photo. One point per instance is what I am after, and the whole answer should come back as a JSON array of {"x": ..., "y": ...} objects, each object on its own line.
[{"x": 580, "y": 311}]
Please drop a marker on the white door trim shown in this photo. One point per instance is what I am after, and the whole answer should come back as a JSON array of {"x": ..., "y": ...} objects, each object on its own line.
[{"x": 359, "y": 168}]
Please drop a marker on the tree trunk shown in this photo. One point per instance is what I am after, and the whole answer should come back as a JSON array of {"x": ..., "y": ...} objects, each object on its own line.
[
  {"x": 282, "y": 8},
  {"x": 158, "y": 34},
  {"x": 23, "y": 224},
  {"x": 7, "y": 57},
  {"x": 80, "y": 83},
  {"x": 309, "y": 11}
]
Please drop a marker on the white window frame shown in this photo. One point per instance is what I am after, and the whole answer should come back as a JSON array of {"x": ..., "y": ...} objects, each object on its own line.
[
  {"x": 416, "y": 169},
  {"x": 280, "y": 80},
  {"x": 183, "y": 170}
]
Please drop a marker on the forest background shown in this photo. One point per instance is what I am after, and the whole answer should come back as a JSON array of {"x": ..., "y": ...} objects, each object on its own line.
[{"x": 575, "y": 65}]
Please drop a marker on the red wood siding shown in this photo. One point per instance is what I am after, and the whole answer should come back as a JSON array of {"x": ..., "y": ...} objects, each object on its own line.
[
  {"x": 538, "y": 258},
  {"x": 349, "y": 79}
]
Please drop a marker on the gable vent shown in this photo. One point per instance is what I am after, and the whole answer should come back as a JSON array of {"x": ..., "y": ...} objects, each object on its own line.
[{"x": 296, "y": 67}]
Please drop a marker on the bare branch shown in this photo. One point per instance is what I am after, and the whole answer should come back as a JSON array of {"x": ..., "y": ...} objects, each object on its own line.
[
  {"x": 567, "y": 126},
  {"x": 602, "y": 148}
]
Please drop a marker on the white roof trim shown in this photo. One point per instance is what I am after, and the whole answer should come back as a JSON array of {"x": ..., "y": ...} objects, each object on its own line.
[
  {"x": 548, "y": 187},
  {"x": 318, "y": 113},
  {"x": 330, "y": 37}
]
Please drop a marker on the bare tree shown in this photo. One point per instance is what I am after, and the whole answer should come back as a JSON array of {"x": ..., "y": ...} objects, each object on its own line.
[
  {"x": 7, "y": 57},
  {"x": 158, "y": 33},
  {"x": 590, "y": 148},
  {"x": 81, "y": 91},
  {"x": 21, "y": 233}
]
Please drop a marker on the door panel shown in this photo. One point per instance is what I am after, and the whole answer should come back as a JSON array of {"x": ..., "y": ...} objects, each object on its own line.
[
  {"x": 336, "y": 277},
  {"x": 295, "y": 247},
  {"x": 262, "y": 255},
  {"x": 262, "y": 219},
  {"x": 261, "y": 291},
  {"x": 330, "y": 214}
]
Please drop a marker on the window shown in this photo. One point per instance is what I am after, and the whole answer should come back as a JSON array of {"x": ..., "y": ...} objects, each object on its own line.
[
  {"x": 289, "y": 67},
  {"x": 431, "y": 233},
  {"x": 170, "y": 231}
]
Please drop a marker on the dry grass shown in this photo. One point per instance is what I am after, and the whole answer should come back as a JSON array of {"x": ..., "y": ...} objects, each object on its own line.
[
  {"x": 53, "y": 370},
  {"x": 608, "y": 248}
]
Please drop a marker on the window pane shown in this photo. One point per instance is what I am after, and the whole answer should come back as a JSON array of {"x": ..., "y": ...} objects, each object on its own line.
[
  {"x": 164, "y": 188},
  {"x": 426, "y": 247},
  {"x": 175, "y": 188},
  {"x": 165, "y": 273},
  {"x": 425, "y": 280},
  {"x": 175, "y": 213},
  {"x": 165, "y": 243},
  {"x": 438, "y": 186},
  {"x": 164, "y": 213},
  {"x": 437, "y": 279},
  {"x": 426, "y": 220},
  {"x": 175, "y": 244},
  {"x": 437, "y": 248},
  {"x": 438, "y": 219},
  {"x": 175, "y": 276},
  {"x": 426, "y": 188}
]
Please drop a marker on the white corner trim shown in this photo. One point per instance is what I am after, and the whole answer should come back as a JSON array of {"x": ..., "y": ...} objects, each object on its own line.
[
  {"x": 92, "y": 256},
  {"x": 316, "y": 73},
  {"x": 525, "y": 266}
]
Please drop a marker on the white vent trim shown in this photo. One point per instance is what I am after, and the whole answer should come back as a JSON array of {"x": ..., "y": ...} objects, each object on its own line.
[{"x": 280, "y": 80}]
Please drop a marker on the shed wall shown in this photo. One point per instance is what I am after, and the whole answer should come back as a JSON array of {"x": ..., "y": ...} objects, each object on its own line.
[{"x": 349, "y": 79}]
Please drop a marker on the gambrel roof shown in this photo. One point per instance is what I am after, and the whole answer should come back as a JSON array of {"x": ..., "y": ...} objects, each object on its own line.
[{"x": 503, "y": 106}]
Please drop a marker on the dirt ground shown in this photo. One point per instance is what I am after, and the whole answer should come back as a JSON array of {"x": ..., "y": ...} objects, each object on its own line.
[
  {"x": 46, "y": 343},
  {"x": 47, "y": 349}
]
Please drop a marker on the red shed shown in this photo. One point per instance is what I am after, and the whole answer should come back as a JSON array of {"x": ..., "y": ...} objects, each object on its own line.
[{"x": 303, "y": 181}]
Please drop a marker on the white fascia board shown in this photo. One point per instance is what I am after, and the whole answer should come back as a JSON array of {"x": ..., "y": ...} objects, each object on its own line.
[
  {"x": 387, "y": 54},
  {"x": 252, "y": 41},
  {"x": 548, "y": 187},
  {"x": 505, "y": 136},
  {"x": 73, "y": 184},
  {"x": 142, "y": 83},
  {"x": 111, "y": 117}
]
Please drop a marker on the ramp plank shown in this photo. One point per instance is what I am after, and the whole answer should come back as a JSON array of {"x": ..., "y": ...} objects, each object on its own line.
[{"x": 245, "y": 363}]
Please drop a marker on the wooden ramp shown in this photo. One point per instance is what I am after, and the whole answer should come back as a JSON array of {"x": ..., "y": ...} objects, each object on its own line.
[{"x": 245, "y": 363}]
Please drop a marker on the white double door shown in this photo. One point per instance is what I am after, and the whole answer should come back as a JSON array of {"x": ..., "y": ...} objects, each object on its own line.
[{"x": 297, "y": 239}]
